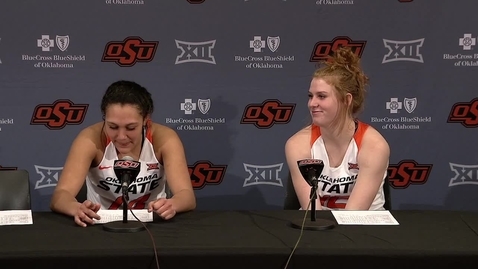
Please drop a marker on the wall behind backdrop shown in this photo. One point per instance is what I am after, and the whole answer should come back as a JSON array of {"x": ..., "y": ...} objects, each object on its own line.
[{"x": 232, "y": 78}]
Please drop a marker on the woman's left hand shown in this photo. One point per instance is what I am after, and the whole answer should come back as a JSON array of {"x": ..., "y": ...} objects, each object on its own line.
[{"x": 163, "y": 207}]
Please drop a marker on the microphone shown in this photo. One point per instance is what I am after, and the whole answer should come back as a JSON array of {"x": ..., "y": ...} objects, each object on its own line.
[
  {"x": 126, "y": 170},
  {"x": 311, "y": 169}
]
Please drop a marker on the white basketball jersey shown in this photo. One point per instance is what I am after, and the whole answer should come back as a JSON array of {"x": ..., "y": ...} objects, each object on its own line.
[
  {"x": 103, "y": 187},
  {"x": 337, "y": 183}
]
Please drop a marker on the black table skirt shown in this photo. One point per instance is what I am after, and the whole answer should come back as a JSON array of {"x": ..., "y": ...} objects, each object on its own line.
[{"x": 245, "y": 239}]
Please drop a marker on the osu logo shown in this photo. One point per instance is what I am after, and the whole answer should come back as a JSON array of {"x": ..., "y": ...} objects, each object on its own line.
[
  {"x": 408, "y": 172},
  {"x": 196, "y": 1},
  {"x": 59, "y": 114},
  {"x": 204, "y": 172},
  {"x": 3, "y": 168},
  {"x": 465, "y": 113},
  {"x": 129, "y": 51},
  {"x": 126, "y": 164},
  {"x": 264, "y": 115},
  {"x": 309, "y": 161},
  {"x": 323, "y": 50}
]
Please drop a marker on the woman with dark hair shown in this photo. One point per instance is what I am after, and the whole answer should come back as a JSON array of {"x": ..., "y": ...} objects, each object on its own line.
[{"x": 126, "y": 130}]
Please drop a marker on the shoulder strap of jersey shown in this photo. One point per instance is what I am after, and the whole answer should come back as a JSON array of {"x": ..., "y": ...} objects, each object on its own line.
[
  {"x": 358, "y": 136},
  {"x": 314, "y": 134}
]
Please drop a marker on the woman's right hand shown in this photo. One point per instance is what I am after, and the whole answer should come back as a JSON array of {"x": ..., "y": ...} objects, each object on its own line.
[{"x": 86, "y": 212}]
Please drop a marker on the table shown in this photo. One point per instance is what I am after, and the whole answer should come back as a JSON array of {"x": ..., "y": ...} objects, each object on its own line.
[{"x": 245, "y": 239}]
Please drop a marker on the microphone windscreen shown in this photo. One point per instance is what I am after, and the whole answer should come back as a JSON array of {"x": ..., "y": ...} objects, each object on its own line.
[{"x": 127, "y": 158}]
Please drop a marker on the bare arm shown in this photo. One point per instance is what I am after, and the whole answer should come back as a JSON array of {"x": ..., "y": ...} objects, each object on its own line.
[
  {"x": 298, "y": 148},
  {"x": 372, "y": 160},
  {"x": 176, "y": 170},
  {"x": 80, "y": 157}
]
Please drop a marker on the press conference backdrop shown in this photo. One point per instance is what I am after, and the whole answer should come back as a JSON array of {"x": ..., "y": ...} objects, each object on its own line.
[{"x": 231, "y": 77}]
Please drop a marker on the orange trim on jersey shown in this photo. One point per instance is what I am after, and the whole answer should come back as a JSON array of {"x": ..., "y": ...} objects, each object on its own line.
[
  {"x": 362, "y": 127},
  {"x": 108, "y": 140},
  {"x": 149, "y": 132},
  {"x": 358, "y": 136},
  {"x": 314, "y": 134}
]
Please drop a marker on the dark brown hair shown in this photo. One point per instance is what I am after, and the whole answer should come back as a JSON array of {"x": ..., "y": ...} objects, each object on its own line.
[{"x": 128, "y": 92}]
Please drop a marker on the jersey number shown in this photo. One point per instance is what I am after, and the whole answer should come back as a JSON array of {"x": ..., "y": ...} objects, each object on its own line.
[
  {"x": 138, "y": 203},
  {"x": 333, "y": 201}
]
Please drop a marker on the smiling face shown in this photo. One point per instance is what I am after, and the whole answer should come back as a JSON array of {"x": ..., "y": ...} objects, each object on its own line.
[
  {"x": 323, "y": 104},
  {"x": 124, "y": 126}
]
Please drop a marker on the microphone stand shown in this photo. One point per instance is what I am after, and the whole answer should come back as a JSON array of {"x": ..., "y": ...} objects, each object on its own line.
[
  {"x": 313, "y": 197},
  {"x": 125, "y": 207},
  {"x": 313, "y": 224},
  {"x": 124, "y": 226}
]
